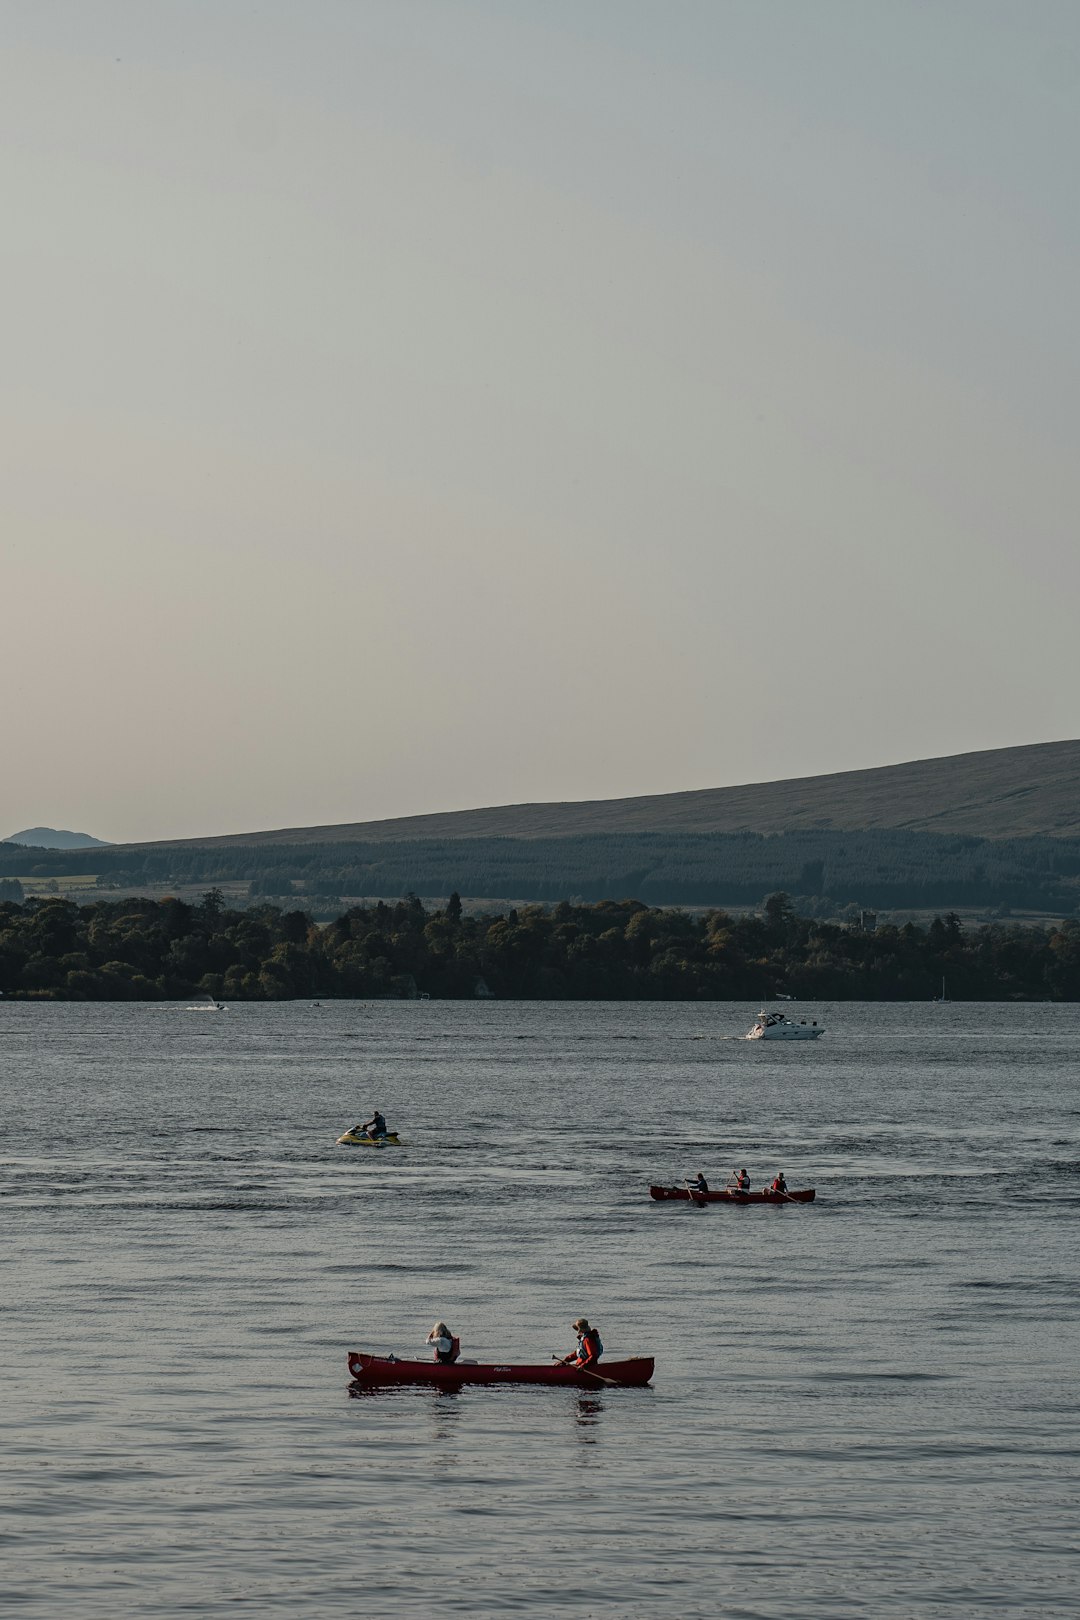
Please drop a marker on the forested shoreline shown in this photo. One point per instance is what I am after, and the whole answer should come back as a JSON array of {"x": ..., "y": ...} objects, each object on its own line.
[
  {"x": 139, "y": 949},
  {"x": 824, "y": 870}
]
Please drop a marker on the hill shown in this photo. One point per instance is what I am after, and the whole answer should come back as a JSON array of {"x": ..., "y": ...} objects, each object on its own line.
[
  {"x": 996, "y": 793},
  {"x": 51, "y": 838},
  {"x": 996, "y": 830}
]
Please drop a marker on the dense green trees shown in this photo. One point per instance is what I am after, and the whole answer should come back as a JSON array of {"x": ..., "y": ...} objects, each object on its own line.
[{"x": 140, "y": 949}]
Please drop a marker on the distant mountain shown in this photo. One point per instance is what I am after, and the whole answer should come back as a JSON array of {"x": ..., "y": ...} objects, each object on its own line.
[
  {"x": 998, "y": 793},
  {"x": 51, "y": 838}
]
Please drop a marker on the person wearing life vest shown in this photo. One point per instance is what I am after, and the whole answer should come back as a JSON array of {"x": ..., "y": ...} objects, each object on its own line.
[
  {"x": 699, "y": 1184},
  {"x": 446, "y": 1346},
  {"x": 375, "y": 1127},
  {"x": 589, "y": 1348},
  {"x": 778, "y": 1185},
  {"x": 739, "y": 1180}
]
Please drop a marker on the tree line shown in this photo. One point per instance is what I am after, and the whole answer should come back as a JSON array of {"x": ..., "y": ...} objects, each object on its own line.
[
  {"x": 143, "y": 949},
  {"x": 823, "y": 870}
]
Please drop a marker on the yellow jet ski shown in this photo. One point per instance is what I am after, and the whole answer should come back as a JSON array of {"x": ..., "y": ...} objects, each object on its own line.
[{"x": 361, "y": 1139}]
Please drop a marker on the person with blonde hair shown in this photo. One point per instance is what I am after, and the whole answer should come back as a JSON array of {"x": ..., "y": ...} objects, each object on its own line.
[{"x": 447, "y": 1348}]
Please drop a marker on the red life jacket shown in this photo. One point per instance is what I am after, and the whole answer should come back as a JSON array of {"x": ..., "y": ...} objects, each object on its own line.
[
  {"x": 590, "y": 1348},
  {"x": 455, "y": 1347}
]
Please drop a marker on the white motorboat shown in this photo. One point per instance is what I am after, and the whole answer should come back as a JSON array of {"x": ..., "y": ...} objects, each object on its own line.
[{"x": 776, "y": 1026}]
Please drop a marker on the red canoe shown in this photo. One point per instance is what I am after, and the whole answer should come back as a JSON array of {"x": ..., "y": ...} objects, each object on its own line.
[
  {"x": 804, "y": 1196},
  {"x": 365, "y": 1369}
]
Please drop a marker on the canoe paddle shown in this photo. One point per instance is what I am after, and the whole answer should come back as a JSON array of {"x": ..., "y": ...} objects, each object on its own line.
[
  {"x": 562, "y": 1361},
  {"x": 612, "y": 1383}
]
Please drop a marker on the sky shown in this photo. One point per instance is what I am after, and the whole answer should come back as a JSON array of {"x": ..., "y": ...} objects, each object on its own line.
[{"x": 427, "y": 404}]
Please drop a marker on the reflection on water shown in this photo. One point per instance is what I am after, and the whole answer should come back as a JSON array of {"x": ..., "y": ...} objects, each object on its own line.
[
  {"x": 446, "y": 1413},
  {"x": 589, "y": 1409},
  {"x": 846, "y": 1393}
]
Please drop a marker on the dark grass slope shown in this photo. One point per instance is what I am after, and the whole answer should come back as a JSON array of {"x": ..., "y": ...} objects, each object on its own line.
[{"x": 998, "y": 793}]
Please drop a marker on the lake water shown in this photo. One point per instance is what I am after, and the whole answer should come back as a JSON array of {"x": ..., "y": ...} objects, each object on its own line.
[{"x": 866, "y": 1406}]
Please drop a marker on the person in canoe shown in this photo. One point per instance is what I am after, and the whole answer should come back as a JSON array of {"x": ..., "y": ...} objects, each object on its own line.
[
  {"x": 778, "y": 1184},
  {"x": 699, "y": 1184},
  {"x": 375, "y": 1127},
  {"x": 589, "y": 1348},
  {"x": 739, "y": 1181},
  {"x": 447, "y": 1348}
]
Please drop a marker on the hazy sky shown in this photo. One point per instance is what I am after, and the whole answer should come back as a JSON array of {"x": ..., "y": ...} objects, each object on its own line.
[{"x": 434, "y": 403}]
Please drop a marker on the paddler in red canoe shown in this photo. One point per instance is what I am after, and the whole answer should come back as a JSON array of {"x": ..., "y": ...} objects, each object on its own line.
[
  {"x": 699, "y": 1184},
  {"x": 778, "y": 1184},
  {"x": 739, "y": 1181},
  {"x": 589, "y": 1348},
  {"x": 447, "y": 1348}
]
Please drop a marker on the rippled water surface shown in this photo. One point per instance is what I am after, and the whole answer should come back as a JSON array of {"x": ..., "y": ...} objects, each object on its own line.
[{"x": 867, "y": 1406}]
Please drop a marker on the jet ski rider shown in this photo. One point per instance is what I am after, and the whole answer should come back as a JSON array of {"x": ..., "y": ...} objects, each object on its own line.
[{"x": 375, "y": 1127}]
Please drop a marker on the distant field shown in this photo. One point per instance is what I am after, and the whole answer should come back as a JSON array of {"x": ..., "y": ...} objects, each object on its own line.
[
  {"x": 66, "y": 882},
  {"x": 83, "y": 888}
]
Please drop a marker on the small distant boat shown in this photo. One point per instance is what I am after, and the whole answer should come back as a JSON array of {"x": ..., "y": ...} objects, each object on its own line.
[
  {"x": 725, "y": 1195},
  {"x": 361, "y": 1139},
  {"x": 632, "y": 1373},
  {"x": 211, "y": 1004},
  {"x": 777, "y": 1026}
]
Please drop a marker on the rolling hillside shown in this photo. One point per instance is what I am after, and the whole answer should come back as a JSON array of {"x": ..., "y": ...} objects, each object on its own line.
[
  {"x": 999, "y": 829},
  {"x": 998, "y": 793}
]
